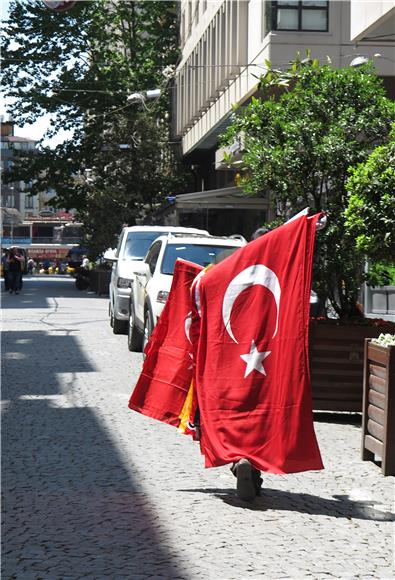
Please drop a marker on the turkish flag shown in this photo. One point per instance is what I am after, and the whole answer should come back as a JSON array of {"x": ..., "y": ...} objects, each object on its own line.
[
  {"x": 165, "y": 380},
  {"x": 252, "y": 373}
]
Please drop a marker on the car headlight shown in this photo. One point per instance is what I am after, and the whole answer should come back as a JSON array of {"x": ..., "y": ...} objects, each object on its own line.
[
  {"x": 124, "y": 282},
  {"x": 162, "y": 296}
]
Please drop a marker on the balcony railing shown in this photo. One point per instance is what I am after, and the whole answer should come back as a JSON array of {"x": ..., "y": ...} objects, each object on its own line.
[{"x": 216, "y": 60}]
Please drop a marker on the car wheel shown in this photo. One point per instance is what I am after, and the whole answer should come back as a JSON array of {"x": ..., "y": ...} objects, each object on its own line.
[
  {"x": 148, "y": 328},
  {"x": 119, "y": 326},
  {"x": 135, "y": 341}
]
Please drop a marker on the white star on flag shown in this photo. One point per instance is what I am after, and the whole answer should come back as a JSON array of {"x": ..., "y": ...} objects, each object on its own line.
[{"x": 254, "y": 360}]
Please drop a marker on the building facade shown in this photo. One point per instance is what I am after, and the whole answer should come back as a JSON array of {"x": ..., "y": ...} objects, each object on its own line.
[
  {"x": 27, "y": 221},
  {"x": 13, "y": 195},
  {"x": 226, "y": 46},
  {"x": 226, "y": 43}
]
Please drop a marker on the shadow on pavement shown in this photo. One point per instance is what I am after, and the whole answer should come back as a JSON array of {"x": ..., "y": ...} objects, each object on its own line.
[
  {"x": 341, "y": 506},
  {"x": 340, "y": 418},
  {"x": 32, "y": 295},
  {"x": 70, "y": 506}
]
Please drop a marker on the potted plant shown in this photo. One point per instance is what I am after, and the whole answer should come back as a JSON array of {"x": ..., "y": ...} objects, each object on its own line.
[
  {"x": 309, "y": 126},
  {"x": 378, "y": 424}
]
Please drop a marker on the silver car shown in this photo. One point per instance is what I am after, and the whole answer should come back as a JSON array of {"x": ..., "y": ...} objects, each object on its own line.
[{"x": 132, "y": 247}]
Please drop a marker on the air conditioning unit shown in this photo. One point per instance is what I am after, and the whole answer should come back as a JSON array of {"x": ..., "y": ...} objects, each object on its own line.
[{"x": 230, "y": 157}]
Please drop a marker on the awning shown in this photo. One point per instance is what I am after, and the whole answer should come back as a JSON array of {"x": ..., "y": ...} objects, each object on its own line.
[
  {"x": 228, "y": 197},
  {"x": 11, "y": 216}
]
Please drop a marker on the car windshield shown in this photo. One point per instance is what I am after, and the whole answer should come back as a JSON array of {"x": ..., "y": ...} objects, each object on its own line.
[
  {"x": 137, "y": 244},
  {"x": 203, "y": 255}
]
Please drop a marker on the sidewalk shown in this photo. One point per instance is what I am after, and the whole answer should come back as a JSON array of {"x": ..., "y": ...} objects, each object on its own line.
[{"x": 94, "y": 490}]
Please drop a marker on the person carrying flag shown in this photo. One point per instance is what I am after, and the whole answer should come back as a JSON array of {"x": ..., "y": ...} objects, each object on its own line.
[{"x": 247, "y": 340}]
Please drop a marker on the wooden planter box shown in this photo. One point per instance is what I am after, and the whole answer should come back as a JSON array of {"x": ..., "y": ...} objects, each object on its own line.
[
  {"x": 336, "y": 356},
  {"x": 378, "y": 423}
]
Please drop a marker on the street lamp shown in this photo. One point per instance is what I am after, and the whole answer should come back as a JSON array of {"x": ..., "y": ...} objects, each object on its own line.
[
  {"x": 143, "y": 96},
  {"x": 359, "y": 61}
]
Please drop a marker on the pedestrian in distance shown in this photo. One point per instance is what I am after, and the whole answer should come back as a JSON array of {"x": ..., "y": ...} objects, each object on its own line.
[
  {"x": 30, "y": 266},
  {"x": 5, "y": 266},
  {"x": 46, "y": 266},
  {"x": 15, "y": 269},
  {"x": 259, "y": 232}
]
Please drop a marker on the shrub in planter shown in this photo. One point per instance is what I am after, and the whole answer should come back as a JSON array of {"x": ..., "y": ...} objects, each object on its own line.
[
  {"x": 311, "y": 125},
  {"x": 300, "y": 138}
]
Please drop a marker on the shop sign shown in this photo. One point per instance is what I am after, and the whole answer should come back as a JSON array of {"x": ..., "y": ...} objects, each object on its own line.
[{"x": 50, "y": 253}]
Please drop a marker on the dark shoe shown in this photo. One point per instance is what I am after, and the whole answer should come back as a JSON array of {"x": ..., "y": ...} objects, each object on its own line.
[
  {"x": 256, "y": 476},
  {"x": 10, "y": 291},
  {"x": 16, "y": 292},
  {"x": 246, "y": 489}
]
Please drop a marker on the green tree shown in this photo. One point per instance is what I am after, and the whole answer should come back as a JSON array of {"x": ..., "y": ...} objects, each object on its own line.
[
  {"x": 312, "y": 123},
  {"x": 371, "y": 206},
  {"x": 81, "y": 66}
]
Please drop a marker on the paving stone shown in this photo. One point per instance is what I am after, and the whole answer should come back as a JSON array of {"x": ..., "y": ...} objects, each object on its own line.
[{"x": 94, "y": 491}]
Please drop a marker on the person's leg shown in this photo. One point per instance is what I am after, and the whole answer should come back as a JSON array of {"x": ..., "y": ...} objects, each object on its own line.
[
  {"x": 11, "y": 282},
  {"x": 249, "y": 479},
  {"x": 6, "y": 280}
]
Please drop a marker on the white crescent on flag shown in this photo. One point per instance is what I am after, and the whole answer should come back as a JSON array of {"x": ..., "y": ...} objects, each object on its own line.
[
  {"x": 251, "y": 276},
  {"x": 187, "y": 325},
  {"x": 257, "y": 274}
]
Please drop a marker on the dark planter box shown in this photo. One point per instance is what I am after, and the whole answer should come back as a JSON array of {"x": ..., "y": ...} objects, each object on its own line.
[
  {"x": 103, "y": 282},
  {"x": 93, "y": 280},
  {"x": 99, "y": 281},
  {"x": 378, "y": 424},
  {"x": 336, "y": 365}
]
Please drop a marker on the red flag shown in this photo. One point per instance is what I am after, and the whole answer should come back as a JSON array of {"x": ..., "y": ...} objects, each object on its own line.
[
  {"x": 166, "y": 377},
  {"x": 252, "y": 373}
]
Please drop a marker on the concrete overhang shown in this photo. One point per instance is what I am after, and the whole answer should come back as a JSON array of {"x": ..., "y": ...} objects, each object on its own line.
[
  {"x": 372, "y": 19},
  {"x": 226, "y": 198}
]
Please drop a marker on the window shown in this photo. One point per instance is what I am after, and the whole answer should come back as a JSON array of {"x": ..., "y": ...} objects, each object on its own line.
[
  {"x": 10, "y": 200},
  {"x": 137, "y": 244},
  {"x": 153, "y": 255},
  {"x": 182, "y": 27},
  {"x": 29, "y": 202},
  {"x": 189, "y": 18},
  {"x": 298, "y": 15},
  {"x": 199, "y": 254},
  {"x": 119, "y": 244}
]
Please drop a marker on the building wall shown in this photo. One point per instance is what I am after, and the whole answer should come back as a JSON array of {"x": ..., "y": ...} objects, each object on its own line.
[
  {"x": 13, "y": 194},
  {"x": 224, "y": 48}
]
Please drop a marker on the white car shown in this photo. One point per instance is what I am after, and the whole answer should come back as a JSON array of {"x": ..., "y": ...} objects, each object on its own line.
[
  {"x": 133, "y": 244},
  {"x": 154, "y": 275}
]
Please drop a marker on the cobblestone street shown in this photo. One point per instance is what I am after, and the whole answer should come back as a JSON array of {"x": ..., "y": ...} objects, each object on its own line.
[{"x": 94, "y": 490}]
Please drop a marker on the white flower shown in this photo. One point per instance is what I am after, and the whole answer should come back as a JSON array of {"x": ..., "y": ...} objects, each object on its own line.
[{"x": 385, "y": 340}]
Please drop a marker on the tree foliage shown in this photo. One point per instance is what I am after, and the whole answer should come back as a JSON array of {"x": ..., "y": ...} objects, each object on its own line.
[
  {"x": 312, "y": 123},
  {"x": 81, "y": 66},
  {"x": 371, "y": 205}
]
